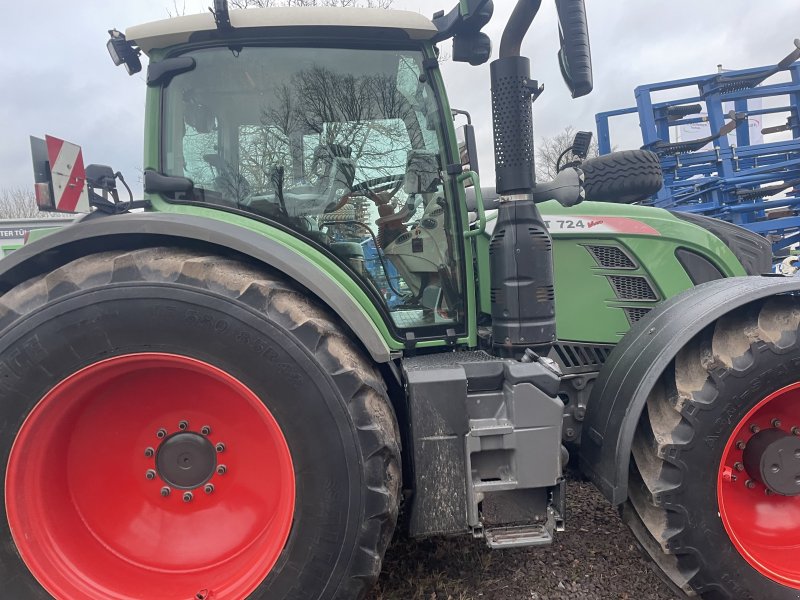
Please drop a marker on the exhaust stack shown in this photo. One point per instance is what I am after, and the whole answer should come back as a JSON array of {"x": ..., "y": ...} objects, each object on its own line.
[{"x": 520, "y": 253}]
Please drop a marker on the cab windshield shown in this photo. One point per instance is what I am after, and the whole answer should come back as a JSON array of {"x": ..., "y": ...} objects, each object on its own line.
[{"x": 341, "y": 146}]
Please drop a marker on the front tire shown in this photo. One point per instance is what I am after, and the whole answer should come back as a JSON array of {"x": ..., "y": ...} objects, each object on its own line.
[
  {"x": 119, "y": 366},
  {"x": 709, "y": 523}
]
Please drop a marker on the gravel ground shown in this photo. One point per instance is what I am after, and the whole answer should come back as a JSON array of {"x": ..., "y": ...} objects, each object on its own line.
[{"x": 596, "y": 558}]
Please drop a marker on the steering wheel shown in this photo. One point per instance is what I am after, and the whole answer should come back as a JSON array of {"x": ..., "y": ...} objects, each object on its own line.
[
  {"x": 374, "y": 189},
  {"x": 378, "y": 185}
]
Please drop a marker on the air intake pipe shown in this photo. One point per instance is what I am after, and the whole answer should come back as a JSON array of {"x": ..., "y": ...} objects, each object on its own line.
[{"x": 520, "y": 252}]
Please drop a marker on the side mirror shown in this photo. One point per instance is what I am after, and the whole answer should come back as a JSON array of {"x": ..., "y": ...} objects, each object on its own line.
[
  {"x": 467, "y": 147},
  {"x": 575, "y": 55},
  {"x": 472, "y": 48},
  {"x": 101, "y": 176}
]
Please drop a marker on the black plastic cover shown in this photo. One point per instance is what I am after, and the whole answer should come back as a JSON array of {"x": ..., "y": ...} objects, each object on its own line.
[
  {"x": 156, "y": 183},
  {"x": 454, "y": 23},
  {"x": 522, "y": 292},
  {"x": 753, "y": 251},
  {"x": 697, "y": 267},
  {"x": 162, "y": 72}
]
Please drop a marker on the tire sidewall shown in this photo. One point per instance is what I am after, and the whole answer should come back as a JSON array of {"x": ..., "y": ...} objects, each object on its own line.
[
  {"x": 733, "y": 394},
  {"x": 46, "y": 346}
]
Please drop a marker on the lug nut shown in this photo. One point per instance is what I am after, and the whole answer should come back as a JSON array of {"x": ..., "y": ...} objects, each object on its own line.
[
  {"x": 755, "y": 428},
  {"x": 151, "y": 474},
  {"x": 183, "y": 425},
  {"x": 205, "y": 430},
  {"x": 161, "y": 433},
  {"x": 209, "y": 489},
  {"x": 750, "y": 484},
  {"x": 222, "y": 469},
  {"x": 739, "y": 466},
  {"x": 795, "y": 430},
  {"x": 741, "y": 445},
  {"x": 149, "y": 452},
  {"x": 768, "y": 491},
  {"x": 776, "y": 423},
  {"x": 165, "y": 491},
  {"x": 775, "y": 468},
  {"x": 727, "y": 474},
  {"x": 220, "y": 447},
  {"x": 188, "y": 496}
]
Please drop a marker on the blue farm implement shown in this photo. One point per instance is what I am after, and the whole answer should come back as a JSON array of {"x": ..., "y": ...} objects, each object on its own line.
[{"x": 730, "y": 169}]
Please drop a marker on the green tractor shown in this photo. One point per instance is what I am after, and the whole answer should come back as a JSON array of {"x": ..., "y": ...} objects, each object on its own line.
[{"x": 317, "y": 321}]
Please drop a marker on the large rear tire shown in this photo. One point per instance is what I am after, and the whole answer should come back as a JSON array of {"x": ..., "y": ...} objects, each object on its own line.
[
  {"x": 180, "y": 425},
  {"x": 697, "y": 503}
]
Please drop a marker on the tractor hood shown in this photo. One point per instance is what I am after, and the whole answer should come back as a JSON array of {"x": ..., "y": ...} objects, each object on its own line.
[{"x": 373, "y": 22}]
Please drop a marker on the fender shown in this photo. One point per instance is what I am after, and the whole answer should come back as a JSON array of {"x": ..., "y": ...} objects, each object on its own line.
[
  {"x": 139, "y": 230},
  {"x": 633, "y": 368}
]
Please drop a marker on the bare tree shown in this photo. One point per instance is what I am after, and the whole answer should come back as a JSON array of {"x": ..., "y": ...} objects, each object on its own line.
[
  {"x": 550, "y": 149},
  {"x": 177, "y": 10},
  {"x": 179, "y": 6},
  {"x": 346, "y": 3},
  {"x": 19, "y": 203}
]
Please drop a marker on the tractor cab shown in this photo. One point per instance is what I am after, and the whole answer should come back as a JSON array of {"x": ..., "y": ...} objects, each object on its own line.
[{"x": 343, "y": 140}]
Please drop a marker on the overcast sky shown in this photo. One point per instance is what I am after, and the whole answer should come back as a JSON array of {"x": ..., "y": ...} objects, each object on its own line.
[{"x": 56, "y": 76}]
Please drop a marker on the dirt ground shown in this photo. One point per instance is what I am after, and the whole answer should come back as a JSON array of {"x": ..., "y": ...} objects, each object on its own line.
[{"x": 596, "y": 558}]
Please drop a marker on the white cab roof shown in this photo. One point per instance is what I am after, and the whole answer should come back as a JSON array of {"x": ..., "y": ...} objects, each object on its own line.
[{"x": 168, "y": 32}]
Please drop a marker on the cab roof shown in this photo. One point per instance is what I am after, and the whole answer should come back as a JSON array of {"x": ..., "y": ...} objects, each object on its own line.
[{"x": 178, "y": 30}]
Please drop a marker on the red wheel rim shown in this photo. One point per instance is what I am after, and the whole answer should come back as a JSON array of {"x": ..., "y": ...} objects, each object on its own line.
[
  {"x": 87, "y": 480},
  {"x": 764, "y": 526}
]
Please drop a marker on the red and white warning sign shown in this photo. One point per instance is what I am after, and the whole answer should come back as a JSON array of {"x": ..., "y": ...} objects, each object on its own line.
[{"x": 68, "y": 176}]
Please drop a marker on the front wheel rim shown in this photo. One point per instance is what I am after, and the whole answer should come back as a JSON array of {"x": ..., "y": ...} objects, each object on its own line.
[
  {"x": 150, "y": 475},
  {"x": 760, "y": 517}
]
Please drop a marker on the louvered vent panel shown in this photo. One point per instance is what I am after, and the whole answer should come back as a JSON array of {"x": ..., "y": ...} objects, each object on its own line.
[
  {"x": 572, "y": 356},
  {"x": 636, "y": 314},
  {"x": 611, "y": 257},
  {"x": 632, "y": 288}
]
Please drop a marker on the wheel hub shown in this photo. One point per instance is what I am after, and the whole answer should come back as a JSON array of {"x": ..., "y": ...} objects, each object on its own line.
[
  {"x": 186, "y": 460},
  {"x": 135, "y": 502},
  {"x": 772, "y": 457},
  {"x": 758, "y": 493}
]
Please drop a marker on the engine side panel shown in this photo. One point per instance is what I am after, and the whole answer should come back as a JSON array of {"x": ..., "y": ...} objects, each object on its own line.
[{"x": 615, "y": 263}]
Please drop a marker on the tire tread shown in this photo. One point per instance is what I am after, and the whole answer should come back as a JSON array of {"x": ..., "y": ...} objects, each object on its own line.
[{"x": 321, "y": 332}]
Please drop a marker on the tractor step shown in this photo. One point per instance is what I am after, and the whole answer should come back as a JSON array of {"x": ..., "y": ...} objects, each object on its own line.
[{"x": 518, "y": 537}]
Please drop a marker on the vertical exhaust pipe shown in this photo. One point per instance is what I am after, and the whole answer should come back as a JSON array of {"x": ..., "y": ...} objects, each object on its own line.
[{"x": 520, "y": 252}]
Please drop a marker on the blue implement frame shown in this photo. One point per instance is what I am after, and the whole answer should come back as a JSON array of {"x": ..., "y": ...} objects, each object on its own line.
[{"x": 753, "y": 185}]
